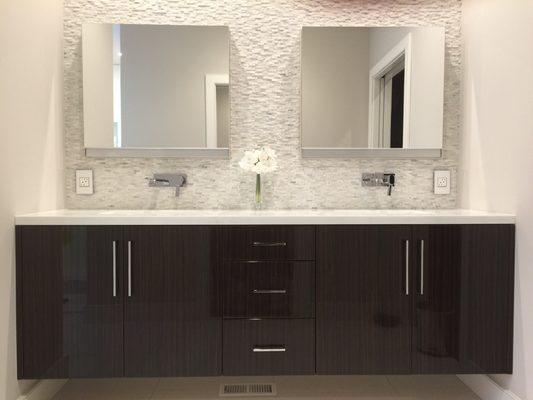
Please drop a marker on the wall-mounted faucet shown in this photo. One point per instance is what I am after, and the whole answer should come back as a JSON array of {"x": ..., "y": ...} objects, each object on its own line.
[
  {"x": 168, "y": 180},
  {"x": 379, "y": 179}
]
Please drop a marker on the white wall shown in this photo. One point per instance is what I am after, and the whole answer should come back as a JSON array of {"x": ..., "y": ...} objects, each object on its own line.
[
  {"x": 335, "y": 87},
  {"x": 31, "y": 149},
  {"x": 497, "y": 145}
]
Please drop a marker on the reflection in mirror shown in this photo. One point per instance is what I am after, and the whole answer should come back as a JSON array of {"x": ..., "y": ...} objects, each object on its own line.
[
  {"x": 155, "y": 87},
  {"x": 372, "y": 87}
]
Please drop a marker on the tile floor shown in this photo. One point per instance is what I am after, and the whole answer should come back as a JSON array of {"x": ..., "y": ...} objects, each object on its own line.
[{"x": 441, "y": 387}]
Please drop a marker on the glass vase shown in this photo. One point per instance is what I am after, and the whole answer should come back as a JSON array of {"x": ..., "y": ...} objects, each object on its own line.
[{"x": 258, "y": 197}]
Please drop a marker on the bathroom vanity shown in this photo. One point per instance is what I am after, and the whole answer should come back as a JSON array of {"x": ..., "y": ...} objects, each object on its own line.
[{"x": 200, "y": 293}]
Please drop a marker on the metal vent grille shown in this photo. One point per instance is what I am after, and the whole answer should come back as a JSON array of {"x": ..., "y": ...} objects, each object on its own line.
[{"x": 247, "y": 389}]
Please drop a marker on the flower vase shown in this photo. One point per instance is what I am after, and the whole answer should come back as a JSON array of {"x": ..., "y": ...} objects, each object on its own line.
[{"x": 258, "y": 197}]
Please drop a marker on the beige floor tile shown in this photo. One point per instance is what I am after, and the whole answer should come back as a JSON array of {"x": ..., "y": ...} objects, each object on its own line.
[
  {"x": 289, "y": 388},
  {"x": 107, "y": 389},
  {"x": 431, "y": 387},
  {"x": 338, "y": 386}
]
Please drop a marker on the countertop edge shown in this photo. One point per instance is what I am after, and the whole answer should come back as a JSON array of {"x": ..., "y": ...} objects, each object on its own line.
[{"x": 378, "y": 219}]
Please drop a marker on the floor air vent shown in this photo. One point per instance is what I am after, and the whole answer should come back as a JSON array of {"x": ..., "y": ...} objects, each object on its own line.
[{"x": 248, "y": 389}]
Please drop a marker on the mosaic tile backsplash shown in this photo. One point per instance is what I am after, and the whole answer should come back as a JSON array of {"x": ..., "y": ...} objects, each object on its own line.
[{"x": 265, "y": 109}]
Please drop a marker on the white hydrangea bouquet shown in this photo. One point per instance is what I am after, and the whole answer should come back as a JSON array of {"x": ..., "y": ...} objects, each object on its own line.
[{"x": 260, "y": 161}]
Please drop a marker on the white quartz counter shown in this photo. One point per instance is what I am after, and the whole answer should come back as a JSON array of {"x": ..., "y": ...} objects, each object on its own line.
[{"x": 263, "y": 217}]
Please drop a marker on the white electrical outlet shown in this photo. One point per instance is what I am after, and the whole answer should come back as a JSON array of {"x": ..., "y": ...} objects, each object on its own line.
[
  {"x": 441, "y": 182},
  {"x": 84, "y": 181}
]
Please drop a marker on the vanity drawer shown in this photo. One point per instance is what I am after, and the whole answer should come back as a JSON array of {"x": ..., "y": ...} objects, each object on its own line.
[
  {"x": 269, "y": 347},
  {"x": 268, "y": 242},
  {"x": 269, "y": 289}
]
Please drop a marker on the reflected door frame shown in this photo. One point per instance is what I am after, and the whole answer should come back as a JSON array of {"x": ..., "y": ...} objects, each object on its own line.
[
  {"x": 381, "y": 68},
  {"x": 212, "y": 81}
]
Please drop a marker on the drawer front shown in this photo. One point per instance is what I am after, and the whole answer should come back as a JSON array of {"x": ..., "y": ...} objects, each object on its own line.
[
  {"x": 269, "y": 289},
  {"x": 268, "y": 242},
  {"x": 269, "y": 347}
]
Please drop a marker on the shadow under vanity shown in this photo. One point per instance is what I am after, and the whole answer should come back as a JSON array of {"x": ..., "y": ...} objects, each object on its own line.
[{"x": 216, "y": 298}]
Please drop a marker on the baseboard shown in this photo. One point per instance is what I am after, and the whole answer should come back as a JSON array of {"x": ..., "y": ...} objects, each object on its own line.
[
  {"x": 44, "y": 389},
  {"x": 486, "y": 388}
]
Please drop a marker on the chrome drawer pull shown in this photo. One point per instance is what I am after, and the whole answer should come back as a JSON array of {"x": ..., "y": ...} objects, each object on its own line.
[
  {"x": 114, "y": 268},
  {"x": 269, "y": 244},
  {"x": 269, "y": 349},
  {"x": 407, "y": 267},
  {"x": 129, "y": 268},
  {"x": 422, "y": 267},
  {"x": 269, "y": 291}
]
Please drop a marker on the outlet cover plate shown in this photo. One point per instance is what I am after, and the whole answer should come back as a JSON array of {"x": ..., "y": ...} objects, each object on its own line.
[
  {"x": 84, "y": 181},
  {"x": 441, "y": 181}
]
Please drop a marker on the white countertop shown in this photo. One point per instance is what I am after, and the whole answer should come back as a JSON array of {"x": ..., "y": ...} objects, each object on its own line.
[{"x": 263, "y": 217}]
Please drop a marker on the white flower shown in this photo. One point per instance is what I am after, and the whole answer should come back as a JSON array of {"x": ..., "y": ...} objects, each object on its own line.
[{"x": 260, "y": 161}]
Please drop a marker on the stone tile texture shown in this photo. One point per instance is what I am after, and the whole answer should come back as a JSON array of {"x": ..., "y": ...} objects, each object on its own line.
[{"x": 265, "y": 109}]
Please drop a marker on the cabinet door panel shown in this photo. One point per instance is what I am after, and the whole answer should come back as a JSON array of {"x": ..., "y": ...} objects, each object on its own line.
[
  {"x": 463, "y": 312},
  {"x": 363, "y": 312},
  {"x": 488, "y": 256},
  {"x": 437, "y": 316},
  {"x": 69, "y": 321},
  {"x": 172, "y": 318}
]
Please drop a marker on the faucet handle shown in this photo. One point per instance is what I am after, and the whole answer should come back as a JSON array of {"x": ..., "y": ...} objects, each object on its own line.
[{"x": 389, "y": 180}]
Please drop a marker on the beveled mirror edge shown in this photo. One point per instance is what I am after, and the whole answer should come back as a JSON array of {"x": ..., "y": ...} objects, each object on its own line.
[
  {"x": 144, "y": 152},
  {"x": 339, "y": 152}
]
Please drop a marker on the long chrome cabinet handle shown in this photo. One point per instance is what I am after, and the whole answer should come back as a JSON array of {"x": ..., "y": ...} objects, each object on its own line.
[
  {"x": 269, "y": 349},
  {"x": 269, "y": 244},
  {"x": 407, "y": 267},
  {"x": 129, "y": 268},
  {"x": 269, "y": 291},
  {"x": 114, "y": 268},
  {"x": 422, "y": 267}
]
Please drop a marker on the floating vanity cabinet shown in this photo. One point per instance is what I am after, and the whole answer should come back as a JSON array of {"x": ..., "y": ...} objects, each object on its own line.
[
  {"x": 340, "y": 296},
  {"x": 268, "y": 300},
  {"x": 69, "y": 304},
  {"x": 172, "y": 324},
  {"x": 419, "y": 299},
  {"x": 363, "y": 310}
]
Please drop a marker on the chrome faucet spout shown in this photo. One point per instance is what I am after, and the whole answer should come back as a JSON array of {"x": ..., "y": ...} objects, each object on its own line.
[
  {"x": 168, "y": 180},
  {"x": 379, "y": 179}
]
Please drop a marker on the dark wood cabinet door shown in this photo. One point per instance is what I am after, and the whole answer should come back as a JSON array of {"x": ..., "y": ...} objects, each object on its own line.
[
  {"x": 172, "y": 324},
  {"x": 363, "y": 309},
  {"x": 437, "y": 318},
  {"x": 69, "y": 307},
  {"x": 488, "y": 256},
  {"x": 463, "y": 305}
]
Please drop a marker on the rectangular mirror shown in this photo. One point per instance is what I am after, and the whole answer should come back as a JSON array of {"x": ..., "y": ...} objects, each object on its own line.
[
  {"x": 156, "y": 90},
  {"x": 372, "y": 91}
]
